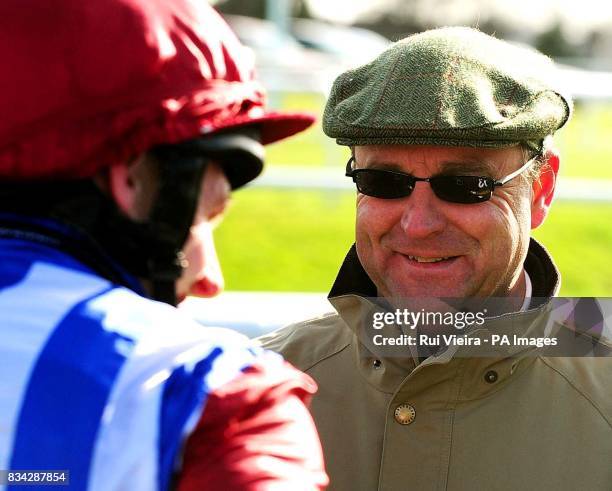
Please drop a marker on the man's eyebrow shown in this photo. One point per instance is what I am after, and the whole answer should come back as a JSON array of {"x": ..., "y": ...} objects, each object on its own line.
[
  {"x": 471, "y": 167},
  {"x": 447, "y": 167},
  {"x": 374, "y": 164}
]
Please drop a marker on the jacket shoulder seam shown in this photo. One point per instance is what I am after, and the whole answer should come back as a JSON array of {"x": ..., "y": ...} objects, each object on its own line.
[
  {"x": 577, "y": 389},
  {"x": 309, "y": 321},
  {"x": 333, "y": 353},
  {"x": 287, "y": 330},
  {"x": 290, "y": 331}
]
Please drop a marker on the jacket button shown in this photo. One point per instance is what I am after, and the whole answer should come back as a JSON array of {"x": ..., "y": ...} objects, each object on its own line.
[
  {"x": 404, "y": 414},
  {"x": 491, "y": 376}
]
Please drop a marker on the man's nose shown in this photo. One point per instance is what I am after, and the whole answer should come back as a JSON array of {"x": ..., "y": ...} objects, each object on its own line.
[
  {"x": 210, "y": 281},
  {"x": 422, "y": 217}
]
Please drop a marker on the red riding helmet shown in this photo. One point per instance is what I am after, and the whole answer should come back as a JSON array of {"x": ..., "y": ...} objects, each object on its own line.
[{"x": 86, "y": 84}]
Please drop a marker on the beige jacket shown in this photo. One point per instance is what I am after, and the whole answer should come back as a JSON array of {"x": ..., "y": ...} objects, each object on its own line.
[{"x": 451, "y": 422}]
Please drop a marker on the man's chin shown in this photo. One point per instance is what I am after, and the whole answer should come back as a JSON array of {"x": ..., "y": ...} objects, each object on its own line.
[{"x": 425, "y": 290}]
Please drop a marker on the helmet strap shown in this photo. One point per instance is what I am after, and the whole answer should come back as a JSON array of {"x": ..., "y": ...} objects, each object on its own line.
[{"x": 181, "y": 174}]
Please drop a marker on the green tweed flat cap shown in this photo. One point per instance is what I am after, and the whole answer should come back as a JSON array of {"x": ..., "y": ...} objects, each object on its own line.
[{"x": 453, "y": 86}]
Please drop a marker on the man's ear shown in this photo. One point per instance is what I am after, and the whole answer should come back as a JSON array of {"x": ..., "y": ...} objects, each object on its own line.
[
  {"x": 543, "y": 188},
  {"x": 122, "y": 188}
]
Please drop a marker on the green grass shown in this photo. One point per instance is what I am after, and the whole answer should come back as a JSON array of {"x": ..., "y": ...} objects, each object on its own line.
[
  {"x": 311, "y": 147},
  {"x": 285, "y": 240},
  {"x": 282, "y": 240},
  {"x": 579, "y": 237},
  {"x": 585, "y": 145}
]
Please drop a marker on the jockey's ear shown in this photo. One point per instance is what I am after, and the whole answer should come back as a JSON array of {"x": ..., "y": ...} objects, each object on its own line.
[{"x": 133, "y": 186}]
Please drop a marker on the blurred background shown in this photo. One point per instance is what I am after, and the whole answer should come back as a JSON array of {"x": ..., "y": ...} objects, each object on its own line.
[{"x": 290, "y": 230}]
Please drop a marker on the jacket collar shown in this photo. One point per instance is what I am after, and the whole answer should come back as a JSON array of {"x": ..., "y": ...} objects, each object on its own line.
[
  {"x": 351, "y": 296},
  {"x": 71, "y": 240}
]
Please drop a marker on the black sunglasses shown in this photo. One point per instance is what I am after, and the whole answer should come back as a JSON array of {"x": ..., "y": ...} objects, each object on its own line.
[{"x": 389, "y": 184}]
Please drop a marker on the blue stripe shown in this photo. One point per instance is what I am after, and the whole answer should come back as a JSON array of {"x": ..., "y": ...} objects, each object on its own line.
[
  {"x": 11, "y": 270},
  {"x": 184, "y": 391},
  {"x": 66, "y": 396}
]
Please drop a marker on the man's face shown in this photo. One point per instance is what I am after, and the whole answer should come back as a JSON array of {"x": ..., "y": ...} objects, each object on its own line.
[
  {"x": 485, "y": 244},
  {"x": 203, "y": 276}
]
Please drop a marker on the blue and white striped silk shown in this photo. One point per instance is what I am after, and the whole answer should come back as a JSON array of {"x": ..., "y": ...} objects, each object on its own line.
[{"x": 97, "y": 380}]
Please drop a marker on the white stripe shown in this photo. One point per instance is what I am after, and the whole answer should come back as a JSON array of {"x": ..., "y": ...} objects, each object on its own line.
[
  {"x": 30, "y": 311},
  {"x": 126, "y": 451},
  {"x": 156, "y": 324}
]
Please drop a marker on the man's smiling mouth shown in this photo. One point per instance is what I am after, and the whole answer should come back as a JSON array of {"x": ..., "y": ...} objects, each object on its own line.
[{"x": 421, "y": 259}]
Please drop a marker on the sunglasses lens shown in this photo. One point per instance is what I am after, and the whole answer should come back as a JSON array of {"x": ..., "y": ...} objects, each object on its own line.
[
  {"x": 383, "y": 184},
  {"x": 462, "y": 189}
]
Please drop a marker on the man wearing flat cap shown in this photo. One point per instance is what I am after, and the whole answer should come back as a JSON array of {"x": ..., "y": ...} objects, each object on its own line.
[{"x": 450, "y": 133}]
